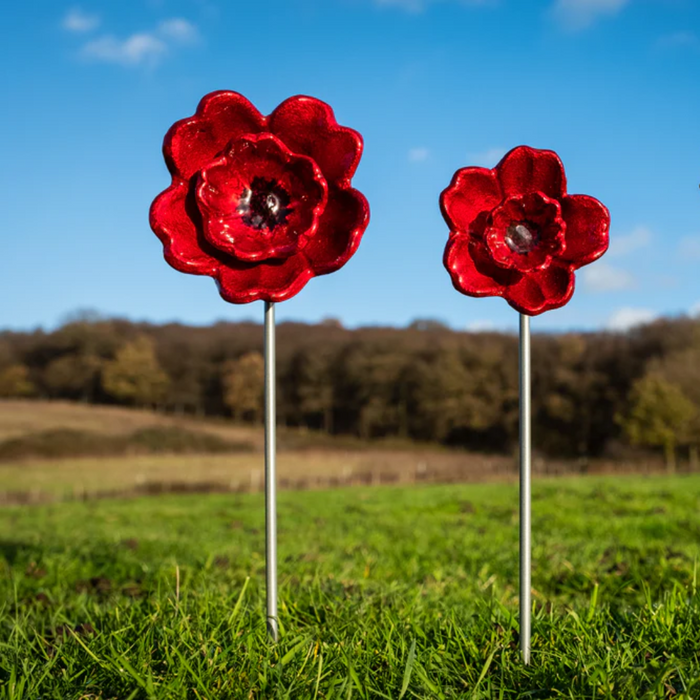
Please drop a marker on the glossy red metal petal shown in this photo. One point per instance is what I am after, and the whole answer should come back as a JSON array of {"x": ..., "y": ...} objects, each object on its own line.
[
  {"x": 587, "y": 229},
  {"x": 472, "y": 271},
  {"x": 308, "y": 126},
  {"x": 222, "y": 182},
  {"x": 339, "y": 231},
  {"x": 274, "y": 280},
  {"x": 172, "y": 218},
  {"x": 471, "y": 192},
  {"x": 541, "y": 290},
  {"x": 526, "y": 169},
  {"x": 220, "y": 117}
]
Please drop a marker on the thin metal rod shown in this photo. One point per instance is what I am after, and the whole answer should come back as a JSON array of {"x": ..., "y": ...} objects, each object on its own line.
[
  {"x": 525, "y": 499},
  {"x": 270, "y": 472}
]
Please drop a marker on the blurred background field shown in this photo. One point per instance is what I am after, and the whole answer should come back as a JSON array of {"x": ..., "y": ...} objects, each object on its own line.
[
  {"x": 60, "y": 450},
  {"x": 103, "y": 406},
  {"x": 57, "y": 451}
]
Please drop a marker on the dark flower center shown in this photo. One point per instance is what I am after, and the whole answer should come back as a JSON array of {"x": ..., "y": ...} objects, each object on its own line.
[
  {"x": 264, "y": 205},
  {"x": 522, "y": 237}
]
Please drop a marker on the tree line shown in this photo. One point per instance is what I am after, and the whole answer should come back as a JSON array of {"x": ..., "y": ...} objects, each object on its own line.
[{"x": 594, "y": 394}]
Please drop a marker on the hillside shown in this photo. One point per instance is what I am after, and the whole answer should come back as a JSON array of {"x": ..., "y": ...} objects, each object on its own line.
[
  {"x": 20, "y": 417},
  {"x": 306, "y": 460}
]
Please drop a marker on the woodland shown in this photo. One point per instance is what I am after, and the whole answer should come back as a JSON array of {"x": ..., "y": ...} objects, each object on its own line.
[{"x": 611, "y": 394}]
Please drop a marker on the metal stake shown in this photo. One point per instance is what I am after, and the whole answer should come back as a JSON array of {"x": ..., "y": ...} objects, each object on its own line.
[
  {"x": 525, "y": 500},
  {"x": 270, "y": 472}
]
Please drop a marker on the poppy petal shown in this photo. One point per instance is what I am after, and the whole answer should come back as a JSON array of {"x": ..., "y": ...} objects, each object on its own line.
[
  {"x": 471, "y": 192},
  {"x": 339, "y": 231},
  {"x": 541, "y": 290},
  {"x": 171, "y": 220},
  {"x": 272, "y": 280},
  {"x": 587, "y": 229},
  {"x": 308, "y": 126},
  {"x": 472, "y": 270},
  {"x": 524, "y": 170},
  {"x": 220, "y": 117}
]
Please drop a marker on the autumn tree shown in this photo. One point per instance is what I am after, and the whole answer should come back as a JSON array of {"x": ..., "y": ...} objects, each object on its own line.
[
  {"x": 682, "y": 368},
  {"x": 15, "y": 382},
  {"x": 370, "y": 395},
  {"x": 135, "y": 376},
  {"x": 659, "y": 414},
  {"x": 243, "y": 382},
  {"x": 310, "y": 385},
  {"x": 73, "y": 376},
  {"x": 458, "y": 394}
]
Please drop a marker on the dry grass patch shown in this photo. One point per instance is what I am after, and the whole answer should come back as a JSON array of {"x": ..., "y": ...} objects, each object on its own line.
[{"x": 21, "y": 417}]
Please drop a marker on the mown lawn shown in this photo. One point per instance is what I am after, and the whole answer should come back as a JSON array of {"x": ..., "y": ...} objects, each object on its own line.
[{"x": 385, "y": 593}]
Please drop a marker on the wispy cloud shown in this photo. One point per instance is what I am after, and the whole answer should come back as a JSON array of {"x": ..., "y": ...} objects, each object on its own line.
[
  {"x": 581, "y": 14},
  {"x": 135, "y": 50},
  {"x": 689, "y": 248},
  {"x": 178, "y": 30},
  {"x": 602, "y": 277},
  {"x": 79, "y": 22},
  {"x": 142, "y": 48},
  {"x": 679, "y": 40},
  {"x": 695, "y": 309},
  {"x": 620, "y": 246},
  {"x": 418, "y": 155},
  {"x": 628, "y": 317},
  {"x": 488, "y": 158},
  {"x": 415, "y": 6}
]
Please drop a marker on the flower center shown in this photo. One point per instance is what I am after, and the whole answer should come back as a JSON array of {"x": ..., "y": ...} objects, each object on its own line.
[
  {"x": 525, "y": 232},
  {"x": 520, "y": 238},
  {"x": 264, "y": 205}
]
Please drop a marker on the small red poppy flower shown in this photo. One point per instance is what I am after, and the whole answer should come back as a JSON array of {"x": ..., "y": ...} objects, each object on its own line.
[
  {"x": 262, "y": 204},
  {"x": 516, "y": 233}
]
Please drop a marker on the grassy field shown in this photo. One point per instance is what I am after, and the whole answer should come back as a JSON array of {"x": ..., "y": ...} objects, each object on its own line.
[{"x": 390, "y": 592}]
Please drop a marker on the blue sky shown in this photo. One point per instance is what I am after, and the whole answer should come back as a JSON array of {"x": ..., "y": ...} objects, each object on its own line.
[{"x": 433, "y": 85}]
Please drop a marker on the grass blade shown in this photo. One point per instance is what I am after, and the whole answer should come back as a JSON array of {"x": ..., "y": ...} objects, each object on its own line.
[{"x": 409, "y": 669}]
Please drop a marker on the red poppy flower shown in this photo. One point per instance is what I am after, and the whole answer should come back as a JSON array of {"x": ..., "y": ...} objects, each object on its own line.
[
  {"x": 516, "y": 233},
  {"x": 262, "y": 204}
]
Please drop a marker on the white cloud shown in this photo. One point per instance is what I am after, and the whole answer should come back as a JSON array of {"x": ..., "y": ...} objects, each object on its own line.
[
  {"x": 79, "y": 22},
  {"x": 602, "y": 277},
  {"x": 488, "y": 158},
  {"x": 418, "y": 155},
  {"x": 580, "y": 14},
  {"x": 689, "y": 247},
  {"x": 639, "y": 237},
  {"x": 132, "y": 51},
  {"x": 678, "y": 40},
  {"x": 142, "y": 48},
  {"x": 178, "y": 30},
  {"x": 627, "y": 317},
  {"x": 695, "y": 309}
]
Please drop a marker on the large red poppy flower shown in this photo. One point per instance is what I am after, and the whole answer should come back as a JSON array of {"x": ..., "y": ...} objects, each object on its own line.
[
  {"x": 262, "y": 204},
  {"x": 516, "y": 233}
]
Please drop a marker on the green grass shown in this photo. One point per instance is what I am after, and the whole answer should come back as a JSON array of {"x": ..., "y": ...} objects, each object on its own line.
[{"x": 385, "y": 593}]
